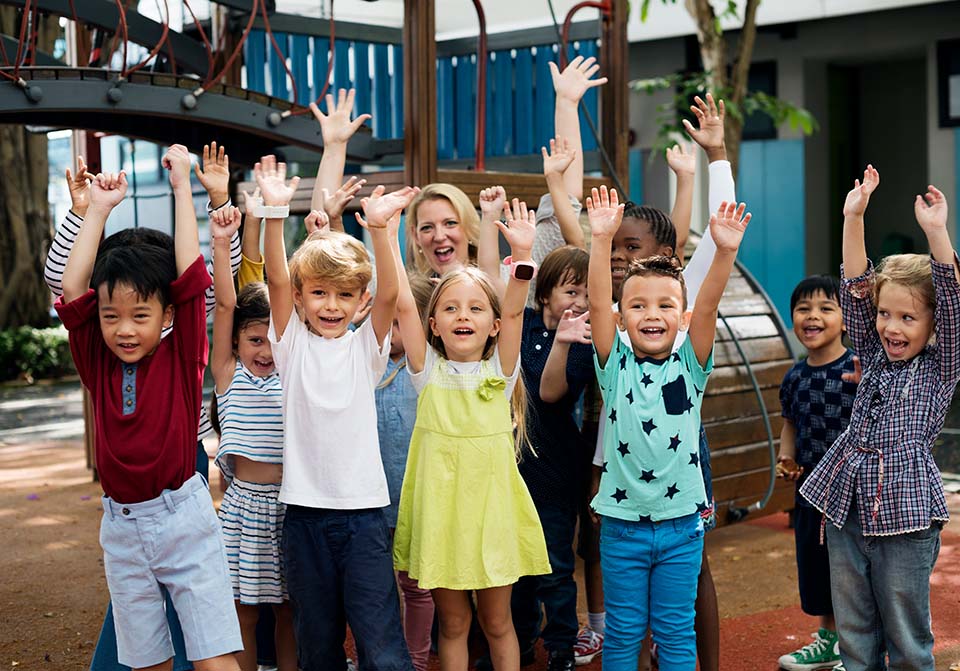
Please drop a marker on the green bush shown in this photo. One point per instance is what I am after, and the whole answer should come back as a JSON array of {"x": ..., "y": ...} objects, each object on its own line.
[{"x": 34, "y": 353}]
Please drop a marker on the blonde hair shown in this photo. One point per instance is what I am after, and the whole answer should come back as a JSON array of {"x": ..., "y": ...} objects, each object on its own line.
[
  {"x": 331, "y": 256},
  {"x": 908, "y": 270},
  {"x": 518, "y": 401},
  {"x": 466, "y": 214}
]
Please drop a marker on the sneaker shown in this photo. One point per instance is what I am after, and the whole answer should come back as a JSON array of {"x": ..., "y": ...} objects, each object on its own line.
[
  {"x": 839, "y": 667},
  {"x": 527, "y": 657},
  {"x": 589, "y": 644},
  {"x": 823, "y": 653},
  {"x": 560, "y": 660}
]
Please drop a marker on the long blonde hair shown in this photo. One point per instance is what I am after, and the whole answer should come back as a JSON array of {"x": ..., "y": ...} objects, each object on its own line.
[
  {"x": 518, "y": 400},
  {"x": 466, "y": 214}
]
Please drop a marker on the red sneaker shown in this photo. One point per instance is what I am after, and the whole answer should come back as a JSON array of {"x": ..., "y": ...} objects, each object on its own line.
[{"x": 589, "y": 644}]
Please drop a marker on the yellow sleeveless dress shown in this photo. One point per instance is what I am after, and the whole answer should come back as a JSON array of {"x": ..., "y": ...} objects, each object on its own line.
[{"x": 466, "y": 519}]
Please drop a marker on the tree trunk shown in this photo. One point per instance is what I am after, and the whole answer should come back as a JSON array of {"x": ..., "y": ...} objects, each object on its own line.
[{"x": 25, "y": 226}]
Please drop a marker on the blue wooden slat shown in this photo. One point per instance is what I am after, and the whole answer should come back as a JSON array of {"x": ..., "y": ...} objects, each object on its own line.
[
  {"x": 523, "y": 103},
  {"x": 445, "y": 110},
  {"x": 503, "y": 95},
  {"x": 465, "y": 106},
  {"x": 544, "y": 97},
  {"x": 319, "y": 62},
  {"x": 341, "y": 66},
  {"x": 635, "y": 157},
  {"x": 300, "y": 64},
  {"x": 381, "y": 91},
  {"x": 254, "y": 58},
  {"x": 491, "y": 118},
  {"x": 396, "y": 93},
  {"x": 279, "y": 84},
  {"x": 590, "y": 101},
  {"x": 361, "y": 78}
]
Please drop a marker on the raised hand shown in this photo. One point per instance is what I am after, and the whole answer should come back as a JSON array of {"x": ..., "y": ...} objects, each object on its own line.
[
  {"x": 79, "y": 185},
  {"x": 559, "y": 158},
  {"x": 859, "y": 196},
  {"x": 728, "y": 225},
  {"x": 215, "y": 174},
  {"x": 224, "y": 223},
  {"x": 271, "y": 177},
  {"x": 519, "y": 228},
  {"x": 108, "y": 189},
  {"x": 336, "y": 127},
  {"x": 931, "y": 210},
  {"x": 317, "y": 220},
  {"x": 575, "y": 80},
  {"x": 857, "y": 373},
  {"x": 709, "y": 131},
  {"x": 251, "y": 200},
  {"x": 335, "y": 204},
  {"x": 177, "y": 161},
  {"x": 492, "y": 200},
  {"x": 681, "y": 160},
  {"x": 573, "y": 329},
  {"x": 604, "y": 211},
  {"x": 380, "y": 208}
]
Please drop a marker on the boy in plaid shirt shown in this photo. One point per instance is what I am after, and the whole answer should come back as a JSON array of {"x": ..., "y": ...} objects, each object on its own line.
[{"x": 878, "y": 485}]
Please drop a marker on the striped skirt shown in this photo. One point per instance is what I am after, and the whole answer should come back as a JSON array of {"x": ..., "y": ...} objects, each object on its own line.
[{"x": 251, "y": 517}]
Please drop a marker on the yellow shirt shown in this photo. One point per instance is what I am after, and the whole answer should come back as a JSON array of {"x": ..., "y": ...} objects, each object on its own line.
[{"x": 249, "y": 271}]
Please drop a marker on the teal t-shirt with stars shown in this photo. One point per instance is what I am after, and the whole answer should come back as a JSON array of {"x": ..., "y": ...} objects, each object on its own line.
[{"x": 651, "y": 448}]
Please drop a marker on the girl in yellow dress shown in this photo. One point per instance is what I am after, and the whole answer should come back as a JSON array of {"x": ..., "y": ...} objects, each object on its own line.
[{"x": 466, "y": 519}]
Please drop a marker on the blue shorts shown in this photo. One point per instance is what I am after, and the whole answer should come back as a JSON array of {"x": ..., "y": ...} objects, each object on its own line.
[{"x": 171, "y": 541}]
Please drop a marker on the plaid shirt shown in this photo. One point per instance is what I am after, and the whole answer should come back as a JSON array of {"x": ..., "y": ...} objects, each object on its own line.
[{"x": 884, "y": 458}]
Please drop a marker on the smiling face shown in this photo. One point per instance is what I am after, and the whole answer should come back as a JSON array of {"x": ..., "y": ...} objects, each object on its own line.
[
  {"x": 328, "y": 308},
  {"x": 440, "y": 235},
  {"x": 567, "y": 295},
  {"x": 632, "y": 241},
  {"x": 652, "y": 312},
  {"x": 131, "y": 324},
  {"x": 904, "y": 321},
  {"x": 464, "y": 319},
  {"x": 818, "y": 321},
  {"x": 253, "y": 348}
]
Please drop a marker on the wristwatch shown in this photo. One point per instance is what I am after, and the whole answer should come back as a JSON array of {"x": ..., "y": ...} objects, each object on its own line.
[{"x": 521, "y": 270}]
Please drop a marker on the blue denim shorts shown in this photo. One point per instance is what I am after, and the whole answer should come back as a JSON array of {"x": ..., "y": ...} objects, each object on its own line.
[{"x": 171, "y": 541}]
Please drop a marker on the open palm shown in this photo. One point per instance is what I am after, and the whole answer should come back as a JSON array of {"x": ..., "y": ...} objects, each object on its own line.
[
  {"x": 604, "y": 211},
  {"x": 728, "y": 225},
  {"x": 859, "y": 195},
  {"x": 271, "y": 177}
]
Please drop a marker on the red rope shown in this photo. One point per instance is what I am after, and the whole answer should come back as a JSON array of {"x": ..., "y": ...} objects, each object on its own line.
[
  {"x": 123, "y": 29},
  {"x": 3, "y": 53},
  {"x": 276, "y": 48},
  {"x": 236, "y": 51},
  {"x": 153, "y": 52},
  {"x": 23, "y": 33},
  {"x": 330, "y": 58},
  {"x": 481, "y": 149},
  {"x": 203, "y": 36}
]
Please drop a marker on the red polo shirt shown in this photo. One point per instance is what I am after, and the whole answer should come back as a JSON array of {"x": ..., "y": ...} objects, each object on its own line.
[{"x": 154, "y": 446}]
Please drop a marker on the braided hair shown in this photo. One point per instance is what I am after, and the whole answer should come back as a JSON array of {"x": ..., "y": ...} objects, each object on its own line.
[{"x": 661, "y": 228}]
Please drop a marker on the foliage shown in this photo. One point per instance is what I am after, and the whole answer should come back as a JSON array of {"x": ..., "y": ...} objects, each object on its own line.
[
  {"x": 686, "y": 85},
  {"x": 34, "y": 353},
  {"x": 729, "y": 11}
]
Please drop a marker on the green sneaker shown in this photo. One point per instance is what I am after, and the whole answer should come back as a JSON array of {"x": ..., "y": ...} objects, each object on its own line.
[
  {"x": 823, "y": 653},
  {"x": 839, "y": 667}
]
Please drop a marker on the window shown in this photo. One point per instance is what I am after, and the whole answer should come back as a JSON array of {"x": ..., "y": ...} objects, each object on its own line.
[{"x": 948, "y": 82}]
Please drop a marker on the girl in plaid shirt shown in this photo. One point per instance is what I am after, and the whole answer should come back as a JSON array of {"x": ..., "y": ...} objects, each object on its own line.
[{"x": 878, "y": 484}]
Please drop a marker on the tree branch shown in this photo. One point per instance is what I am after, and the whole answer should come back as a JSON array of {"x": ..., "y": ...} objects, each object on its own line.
[
  {"x": 741, "y": 68},
  {"x": 712, "y": 46}
]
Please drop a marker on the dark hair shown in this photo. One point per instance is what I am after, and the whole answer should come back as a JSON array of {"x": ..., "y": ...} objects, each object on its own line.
[
  {"x": 144, "y": 261},
  {"x": 828, "y": 285},
  {"x": 215, "y": 413},
  {"x": 661, "y": 227},
  {"x": 564, "y": 264},
  {"x": 253, "y": 307},
  {"x": 659, "y": 266}
]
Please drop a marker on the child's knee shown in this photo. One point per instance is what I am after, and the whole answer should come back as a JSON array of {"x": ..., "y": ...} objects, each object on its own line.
[
  {"x": 495, "y": 624},
  {"x": 248, "y": 615},
  {"x": 455, "y": 625}
]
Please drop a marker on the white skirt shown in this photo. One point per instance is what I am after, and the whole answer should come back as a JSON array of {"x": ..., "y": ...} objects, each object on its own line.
[{"x": 251, "y": 516}]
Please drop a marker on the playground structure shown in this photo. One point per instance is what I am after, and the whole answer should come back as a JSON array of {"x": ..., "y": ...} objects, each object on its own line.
[{"x": 446, "y": 112}]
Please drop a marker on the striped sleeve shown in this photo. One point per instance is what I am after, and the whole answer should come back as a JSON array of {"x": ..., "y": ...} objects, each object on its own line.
[
  {"x": 210, "y": 300},
  {"x": 60, "y": 251}
]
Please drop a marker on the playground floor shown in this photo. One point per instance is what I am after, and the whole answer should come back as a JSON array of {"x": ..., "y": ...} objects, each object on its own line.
[{"x": 53, "y": 594}]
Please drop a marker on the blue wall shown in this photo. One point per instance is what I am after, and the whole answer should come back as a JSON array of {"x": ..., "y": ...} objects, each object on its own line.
[{"x": 771, "y": 183}]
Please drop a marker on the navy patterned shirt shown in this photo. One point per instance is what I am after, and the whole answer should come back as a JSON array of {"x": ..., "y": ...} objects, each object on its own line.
[
  {"x": 884, "y": 457},
  {"x": 817, "y": 402}
]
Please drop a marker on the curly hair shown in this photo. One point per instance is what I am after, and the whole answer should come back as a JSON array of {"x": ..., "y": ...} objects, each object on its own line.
[
  {"x": 658, "y": 266},
  {"x": 661, "y": 227}
]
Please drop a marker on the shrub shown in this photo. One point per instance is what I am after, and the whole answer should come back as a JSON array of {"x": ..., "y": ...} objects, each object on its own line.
[{"x": 34, "y": 353}]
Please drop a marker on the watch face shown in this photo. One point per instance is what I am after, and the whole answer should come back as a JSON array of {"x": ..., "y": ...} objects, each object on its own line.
[{"x": 523, "y": 272}]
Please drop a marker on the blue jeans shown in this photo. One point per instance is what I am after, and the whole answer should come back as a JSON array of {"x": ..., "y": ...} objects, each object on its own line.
[
  {"x": 556, "y": 591},
  {"x": 881, "y": 596},
  {"x": 340, "y": 571},
  {"x": 650, "y": 573}
]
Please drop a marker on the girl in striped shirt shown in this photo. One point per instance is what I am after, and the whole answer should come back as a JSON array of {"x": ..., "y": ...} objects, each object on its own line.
[{"x": 251, "y": 447}]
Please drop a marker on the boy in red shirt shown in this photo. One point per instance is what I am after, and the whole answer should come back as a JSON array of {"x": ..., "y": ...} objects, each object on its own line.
[{"x": 159, "y": 527}]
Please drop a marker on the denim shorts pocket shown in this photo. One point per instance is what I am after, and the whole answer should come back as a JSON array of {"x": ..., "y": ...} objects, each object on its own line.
[
  {"x": 612, "y": 528},
  {"x": 694, "y": 529},
  {"x": 924, "y": 536}
]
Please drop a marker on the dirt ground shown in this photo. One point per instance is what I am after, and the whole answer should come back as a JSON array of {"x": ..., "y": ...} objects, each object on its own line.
[{"x": 53, "y": 593}]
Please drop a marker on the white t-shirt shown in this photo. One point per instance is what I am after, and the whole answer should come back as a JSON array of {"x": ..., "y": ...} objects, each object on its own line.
[
  {"x": 331, "y": 451},
  {"x": 419, "y": 380}
]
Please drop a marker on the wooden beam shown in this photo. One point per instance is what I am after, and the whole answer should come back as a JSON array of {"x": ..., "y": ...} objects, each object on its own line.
[
  {"x": 614, "y": 108},
  {"x": 420, "y": 91}
]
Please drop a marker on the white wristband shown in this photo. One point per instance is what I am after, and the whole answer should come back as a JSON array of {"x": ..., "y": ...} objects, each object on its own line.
[{"x": 271, "y": 211}]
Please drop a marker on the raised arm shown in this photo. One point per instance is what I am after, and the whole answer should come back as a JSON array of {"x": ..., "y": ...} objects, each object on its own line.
[
  {"x": 492, "y": 201},
  {"x": 553, "y": 382},
  {"x": 931, "y": 212},
  {"x": 408, "y": 316},
  {"x": 379, "y": 209},
  {"x": 250, "y": 242},
  {"x": 556, "y": 164},
  {"x": 683, "y": 162},
  {"x": 271, "y": 178},
  {"x": 854, "y": 247},
  {"x": 79, "y": 185},
  {"x": 223, "y": 224},
  {"x": 186, "y": 242},
  {"x": 519, "y": 229},
  {"x": 605, "y": 213},
  {"x": 106, "y": 192},
  {"x": 570, "y": 85},
  {"x": 334, "y": 205},
  {"x": 336, "y": 128},
  {"x": 727, "y": 227}
]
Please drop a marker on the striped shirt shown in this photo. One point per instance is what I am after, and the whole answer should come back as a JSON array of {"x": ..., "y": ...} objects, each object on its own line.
[
  {"x": 251, "y": 419},
  {"x": 59, "y": 252},
  {"x": 884, "y": 457}
]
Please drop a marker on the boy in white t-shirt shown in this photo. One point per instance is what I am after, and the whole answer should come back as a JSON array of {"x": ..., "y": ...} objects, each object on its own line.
[{"x": 336, "y": 542}]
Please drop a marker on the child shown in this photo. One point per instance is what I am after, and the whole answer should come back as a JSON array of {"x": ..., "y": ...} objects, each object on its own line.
[
  {"x": 336, "y": 542},
  {"x": 651, "y": 490},
  {"x": 466, "y": 519},
  {"x": 816, "y": 402},
  {"x": 878, "y": 485},
  {"x": 250, "y": 456},
  {"x": 146, "y": 395}
]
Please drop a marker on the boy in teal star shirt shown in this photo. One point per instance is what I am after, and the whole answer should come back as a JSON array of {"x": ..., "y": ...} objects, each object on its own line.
[{"x": 651, "y": 489}]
